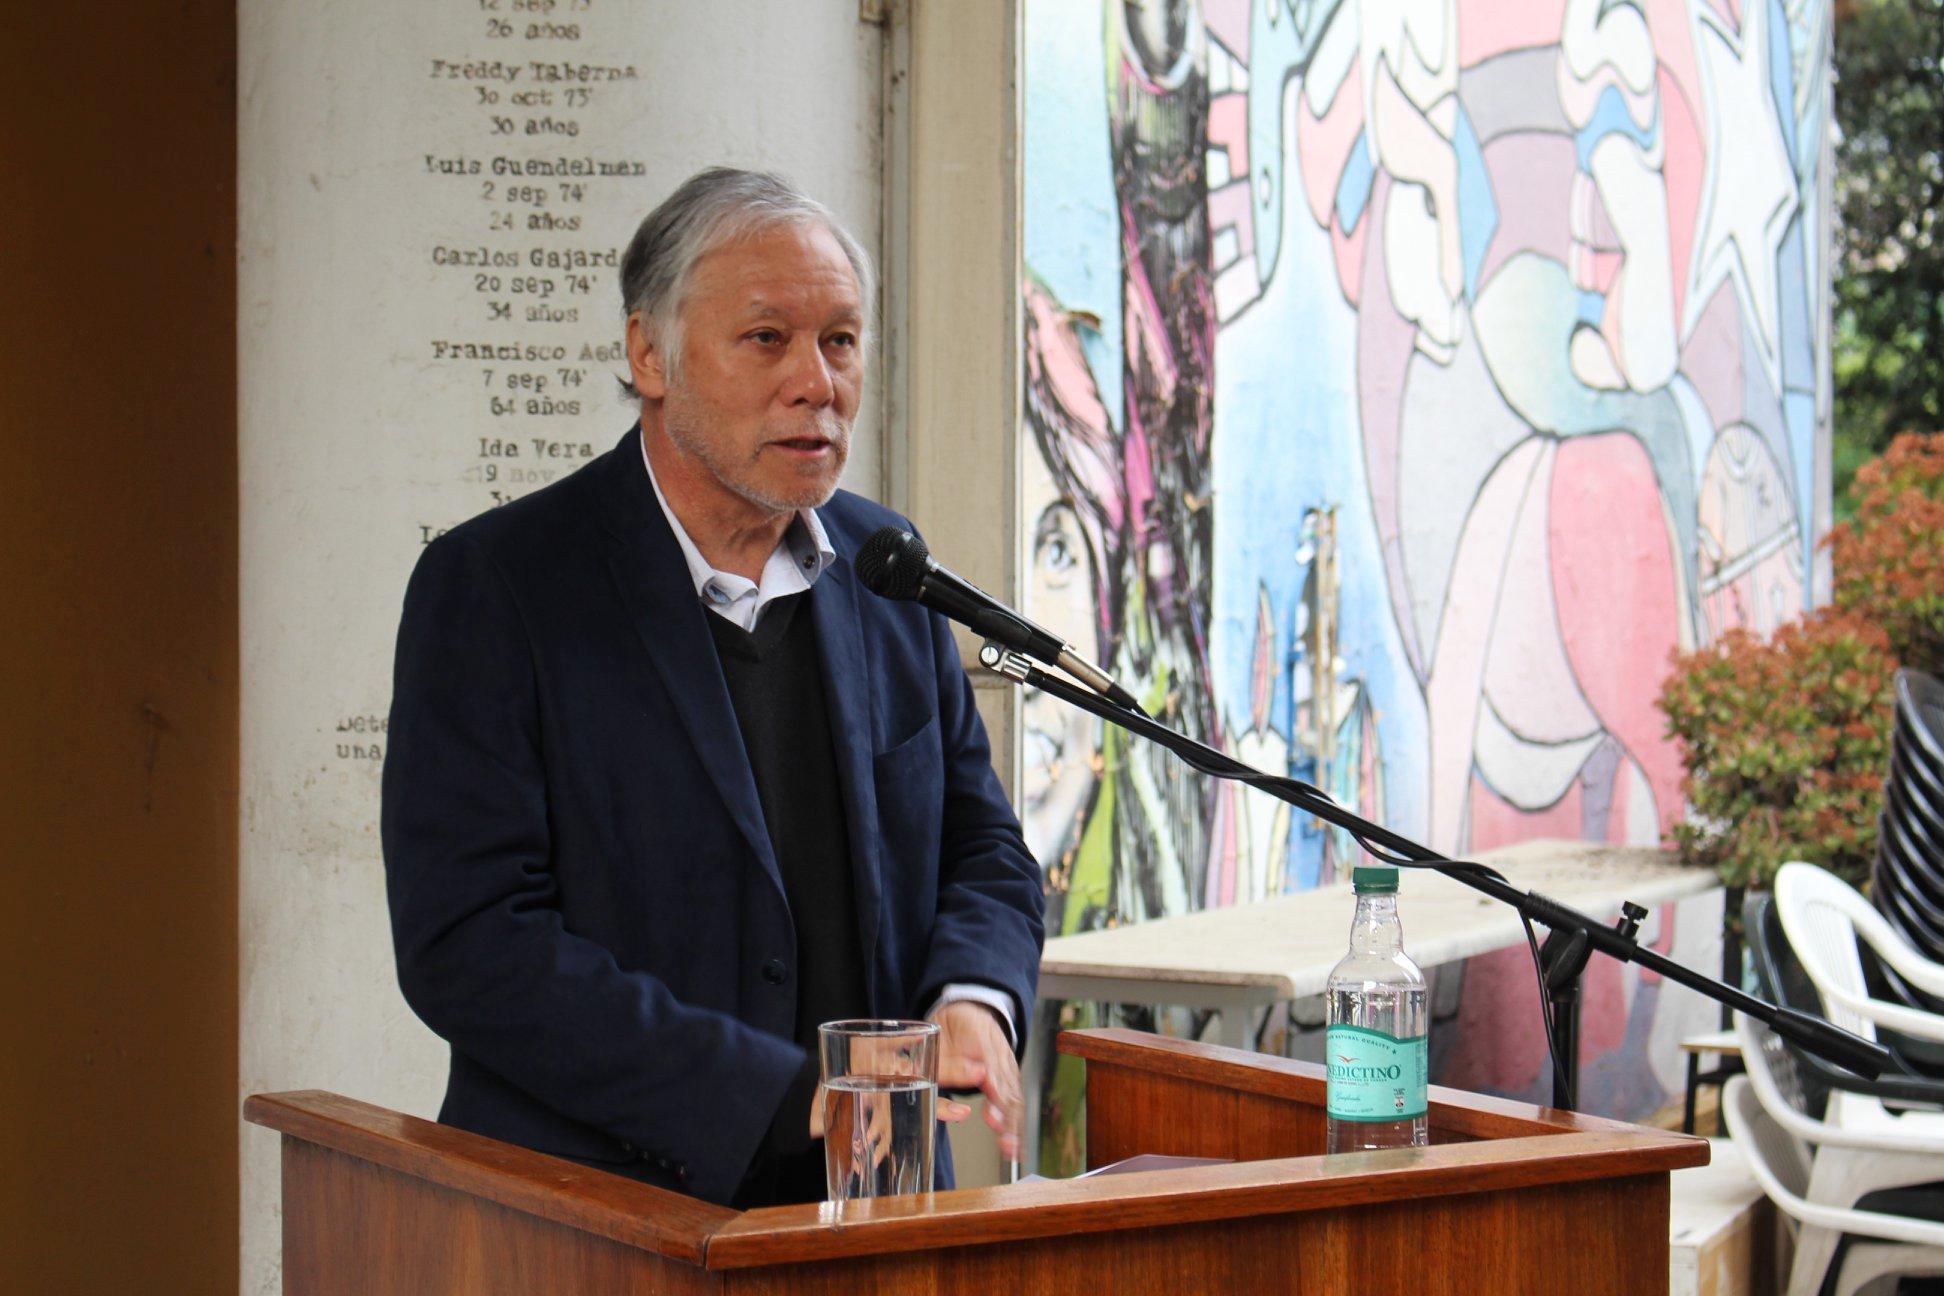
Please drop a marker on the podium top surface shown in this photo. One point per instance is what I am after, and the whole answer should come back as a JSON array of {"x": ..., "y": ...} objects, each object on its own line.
[
  {"x": 1286, "y": 946},
  {"x": 1494, "y": 1145}
]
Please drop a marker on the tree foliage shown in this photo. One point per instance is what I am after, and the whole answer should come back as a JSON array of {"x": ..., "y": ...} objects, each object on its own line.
[
  {"x": 1889, "y": 558},
  {"x": 1889, "y": 271}
]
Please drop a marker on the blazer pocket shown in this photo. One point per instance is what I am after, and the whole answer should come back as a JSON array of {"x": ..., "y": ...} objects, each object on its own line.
[
  {"x": 910, "y": 780},
  {"x": 925, "y": 738}
]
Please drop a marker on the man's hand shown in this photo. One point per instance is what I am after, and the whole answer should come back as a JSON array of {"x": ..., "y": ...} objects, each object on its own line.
[
  {"x": 948, "y": 1111},
  {"x": 973, "y": 1053}
]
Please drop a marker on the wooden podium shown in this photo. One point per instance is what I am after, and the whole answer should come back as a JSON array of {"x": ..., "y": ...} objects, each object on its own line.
[{"x": 1508, "y": 1198}]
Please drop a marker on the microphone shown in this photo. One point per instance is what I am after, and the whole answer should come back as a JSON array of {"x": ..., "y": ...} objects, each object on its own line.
[{"x": 895, "y": 564}]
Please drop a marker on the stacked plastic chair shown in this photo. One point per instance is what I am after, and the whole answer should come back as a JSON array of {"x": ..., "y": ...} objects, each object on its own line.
[
  {"x": 1851, "y": 1163},
  {"x": 1838, "y": 1248},
  {"x": 1828, "y": 926},
  {"x": 1781, "y": 978},
  {"x": 1908, "y": 879}
]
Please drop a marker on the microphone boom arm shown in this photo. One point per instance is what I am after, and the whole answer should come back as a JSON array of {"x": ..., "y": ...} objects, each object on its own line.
[{"x": 1577, "y": 933}]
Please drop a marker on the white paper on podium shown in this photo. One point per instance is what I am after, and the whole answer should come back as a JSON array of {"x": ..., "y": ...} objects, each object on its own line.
[{"x": 1135, "y": 1165}]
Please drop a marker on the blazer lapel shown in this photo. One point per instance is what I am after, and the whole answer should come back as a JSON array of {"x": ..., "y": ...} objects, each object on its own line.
[
  {"x": 840, "y": 644},
  {"x": 653, "y": 580}
]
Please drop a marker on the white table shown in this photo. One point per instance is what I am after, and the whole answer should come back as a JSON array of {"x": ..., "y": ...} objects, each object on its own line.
[{"x": 1248, "y": 957}]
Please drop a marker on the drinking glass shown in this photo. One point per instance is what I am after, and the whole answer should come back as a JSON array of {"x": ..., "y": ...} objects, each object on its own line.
[{"x": 880, "y": 1103}]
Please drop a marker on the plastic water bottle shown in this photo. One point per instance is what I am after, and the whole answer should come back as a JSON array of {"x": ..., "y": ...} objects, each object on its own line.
[{"x": 1375, "y": 1044}]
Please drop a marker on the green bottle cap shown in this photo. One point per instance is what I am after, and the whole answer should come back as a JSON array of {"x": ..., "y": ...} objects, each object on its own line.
[{"x": 1374, "y": 879}]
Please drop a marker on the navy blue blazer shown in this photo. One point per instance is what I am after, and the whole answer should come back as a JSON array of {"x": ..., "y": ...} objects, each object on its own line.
[{"x": 585, "y": 903}]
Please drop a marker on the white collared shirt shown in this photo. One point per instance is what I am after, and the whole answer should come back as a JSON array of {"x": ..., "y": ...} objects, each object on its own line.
[{"x": 793, "y": 567}]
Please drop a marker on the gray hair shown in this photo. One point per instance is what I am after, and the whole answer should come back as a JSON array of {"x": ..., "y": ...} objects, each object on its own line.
[{"x": 710, "y": 209}]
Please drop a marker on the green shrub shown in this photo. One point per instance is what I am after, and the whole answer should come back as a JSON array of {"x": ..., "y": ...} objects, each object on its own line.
[{"x": 1785, "y": 744}]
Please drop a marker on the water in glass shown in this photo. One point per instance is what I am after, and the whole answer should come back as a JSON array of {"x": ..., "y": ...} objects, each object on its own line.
[
  {"x": 878, "y": 1135},
  {"x": 880, "y": 1107}
]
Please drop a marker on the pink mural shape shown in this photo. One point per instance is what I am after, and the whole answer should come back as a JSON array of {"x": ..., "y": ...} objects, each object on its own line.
[
  {"x": 1540, "y": 221},
  {"x": 1324, "y": 144},
  {"x": 1228, "y": 22},
  {"x": 1489, "y": 28},
  {"x": 1712, "y": 359},
  {"x": 1228, "y": 129},
  {"x": 1617, "y": 591},
  {"x": 1682, "y": 171}
]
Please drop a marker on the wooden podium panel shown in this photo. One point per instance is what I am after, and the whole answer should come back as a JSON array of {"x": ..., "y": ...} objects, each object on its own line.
[{"x": 1509, "y": 1198}]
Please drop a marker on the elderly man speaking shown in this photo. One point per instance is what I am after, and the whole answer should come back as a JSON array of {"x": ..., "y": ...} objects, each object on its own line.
[{"x": 665, "y": 788}]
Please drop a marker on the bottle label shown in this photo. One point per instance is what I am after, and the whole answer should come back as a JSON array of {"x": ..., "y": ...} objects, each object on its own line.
[{"x": 1374, "y": 1076}]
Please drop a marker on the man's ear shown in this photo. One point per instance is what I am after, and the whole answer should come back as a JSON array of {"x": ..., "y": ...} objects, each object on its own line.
[{"x": 645, "y": 359}]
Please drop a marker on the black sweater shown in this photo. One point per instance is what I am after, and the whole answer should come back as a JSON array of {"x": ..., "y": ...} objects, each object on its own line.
[{"x": 775, "y": 679}]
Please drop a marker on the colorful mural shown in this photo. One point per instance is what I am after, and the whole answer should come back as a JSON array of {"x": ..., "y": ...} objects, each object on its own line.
[{"x": 1405, "y": 380}]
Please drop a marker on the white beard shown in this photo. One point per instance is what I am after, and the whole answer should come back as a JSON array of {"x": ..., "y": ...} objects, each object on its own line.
[{"x": 691, "y": 435}]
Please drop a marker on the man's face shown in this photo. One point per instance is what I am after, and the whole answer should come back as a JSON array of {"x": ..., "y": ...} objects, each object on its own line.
[{"x": 770, "y": 368}]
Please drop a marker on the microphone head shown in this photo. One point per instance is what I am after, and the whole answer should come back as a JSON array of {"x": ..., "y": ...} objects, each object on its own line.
[{"x": 893, "y": 562}]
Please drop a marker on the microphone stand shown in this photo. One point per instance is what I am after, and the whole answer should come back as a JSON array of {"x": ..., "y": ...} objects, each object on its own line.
[{"x": 1573, "y": 936}]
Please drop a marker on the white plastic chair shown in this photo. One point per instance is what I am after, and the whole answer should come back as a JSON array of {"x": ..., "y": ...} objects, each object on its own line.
[
  {"x": 1840, "y": 1163},
  {"x": 1823, "y": 917},
  {"x": 1898, "y": 1244}
]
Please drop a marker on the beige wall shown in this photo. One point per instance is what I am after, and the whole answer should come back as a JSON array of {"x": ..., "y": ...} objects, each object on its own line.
[
  {"x": 118, "y": 665},
  {"x": 354, "y": 433}
]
